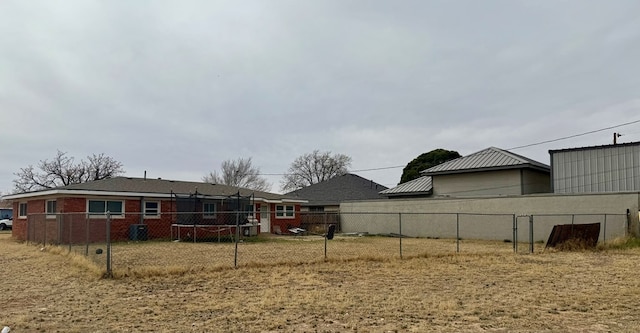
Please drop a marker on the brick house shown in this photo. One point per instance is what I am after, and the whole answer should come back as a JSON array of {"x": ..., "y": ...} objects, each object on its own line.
[{"x": 159, "y": 204}]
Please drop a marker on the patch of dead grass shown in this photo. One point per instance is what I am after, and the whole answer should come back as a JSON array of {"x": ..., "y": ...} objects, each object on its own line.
[
  {"x": 474, "y": 291},
  {"x": 166, "y": 258}
]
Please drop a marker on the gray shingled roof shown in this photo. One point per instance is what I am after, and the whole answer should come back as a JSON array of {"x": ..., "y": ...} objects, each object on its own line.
[
  {"x": 491, "y": 158},
  {"x": 422, "y": 185},
  {"x": 338, "y": 189},
  {"x": 128, "y": 185}
]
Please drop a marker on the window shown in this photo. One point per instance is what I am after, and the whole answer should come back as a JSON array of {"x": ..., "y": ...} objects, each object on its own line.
[
  {"x": 284, "y": 211},
  {"x": 151, "y": 209},
  {"x": 101, "y": 207},
  {"x": 249, "y": 211},
  {"x": 208, "y": 210},
  {"x": 316, "y": 209},
  {"x": 51, "y": 208},
  {"x": 22, "y": 209}
]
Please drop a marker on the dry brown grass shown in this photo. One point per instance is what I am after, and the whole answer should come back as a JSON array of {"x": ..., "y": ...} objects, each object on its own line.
[
  {"x": 163, "y": 258},
  {"x": 475, "y": 291}
]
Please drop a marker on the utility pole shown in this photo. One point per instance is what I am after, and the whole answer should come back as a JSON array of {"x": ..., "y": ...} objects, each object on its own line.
[{"x": 615, "y": 137}]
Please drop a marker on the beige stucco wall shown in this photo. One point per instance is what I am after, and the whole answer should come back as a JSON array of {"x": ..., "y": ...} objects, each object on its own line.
[
  {"x": 438, "y": 217},
  {"x": 500, "y": 182},
  {"x": 534, "y": 181}
]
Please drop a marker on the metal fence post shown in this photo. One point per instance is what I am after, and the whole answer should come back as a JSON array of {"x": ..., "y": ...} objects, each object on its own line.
[
  {"x": 573, "y": 217},
  {"x": 628, "y": 220},
  {"x": 400, "y": 232},
  {"x": 235, "y": 260},
  {"x": 517, "y": 236},
  {"x": 44, "y": 237},
  {"x": 28, "y": 230},
  {"x": 109, "y": 272},
  {"x": 70, "y": 220},
  {"x": 86, "y": 236},
  {"x": 514, "y": 225},
  {"x": 59, "y": 222},
  {"x": 604, "y": 233},
  {"x": 457, "y": 232},
  {"x": 325, "y": 235},
  {"x": 530, "y": 233}
]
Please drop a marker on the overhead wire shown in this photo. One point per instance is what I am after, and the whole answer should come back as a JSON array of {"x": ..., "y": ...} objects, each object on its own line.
[
  {"x": 512, "y": 148},
  {"x": 533, "y": 144},
  {"x": 575, "y": 135}
]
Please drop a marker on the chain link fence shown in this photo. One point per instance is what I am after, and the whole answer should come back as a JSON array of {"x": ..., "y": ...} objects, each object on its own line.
[
  {"x": 77, "y": 232},
  {"x": 136, "y": 244}
]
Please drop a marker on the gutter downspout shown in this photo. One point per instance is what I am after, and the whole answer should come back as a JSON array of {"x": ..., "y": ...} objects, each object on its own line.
[
  {"x": 141, "y": 210},
  {"x": 551, "y": 172}
]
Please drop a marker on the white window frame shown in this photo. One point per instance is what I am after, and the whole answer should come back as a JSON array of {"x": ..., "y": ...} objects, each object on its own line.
[
  {"x": 103, "y": 214},
  {"x": 283, "y": 211},
  {"x": 208, "y": 214},
  {"x": 20, "y": 210},
  {"x": 50, "y": 214},
  {"x": 151, "y": 215},
  {"x": 251, "y": 212}
]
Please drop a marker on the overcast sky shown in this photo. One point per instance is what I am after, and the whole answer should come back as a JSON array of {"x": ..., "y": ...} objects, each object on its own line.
[{"x": 177, "y": 87}]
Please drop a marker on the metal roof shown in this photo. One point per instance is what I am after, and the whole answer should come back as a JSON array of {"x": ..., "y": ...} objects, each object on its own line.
[
  {"x": 617, "y": 145},
  {"x": 423, "y": 184},
  {"x": 491, "y": 158}
]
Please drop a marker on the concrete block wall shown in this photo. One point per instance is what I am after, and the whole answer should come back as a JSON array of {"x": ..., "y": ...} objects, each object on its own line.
[{"x": 492, "y": 217}]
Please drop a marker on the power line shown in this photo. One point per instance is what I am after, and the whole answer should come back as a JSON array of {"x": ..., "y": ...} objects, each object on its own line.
[
  {"x": 531, "y": 144},
  {"x": 376, "y": 169},
  {"x": 514, "y": 148},
  {"x": 575, "y": 135}
]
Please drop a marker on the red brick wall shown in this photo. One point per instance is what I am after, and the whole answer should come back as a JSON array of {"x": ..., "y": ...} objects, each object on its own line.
[
  {"x": 72, "y": 224},
  {"x": 73, "y": 227},
  {"x": 72, "y": 205},
  {"x": 19, "y": 229},
  {"x": 285, "y": 223},
  {"x": 161, "y": 227}
]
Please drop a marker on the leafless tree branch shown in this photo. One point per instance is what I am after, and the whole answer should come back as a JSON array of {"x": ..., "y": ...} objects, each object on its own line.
[
  {"x": 313, "y": 168},
  {"x": 240, "y": 173},
  {"x": 62, "y": 171}
]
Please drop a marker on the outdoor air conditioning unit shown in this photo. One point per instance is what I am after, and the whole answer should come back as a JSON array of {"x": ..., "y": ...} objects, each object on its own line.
[{"x": 138, "y": 232}]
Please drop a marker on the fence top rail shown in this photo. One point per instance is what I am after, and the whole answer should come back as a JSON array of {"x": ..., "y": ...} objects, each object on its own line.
[
  {"x": 338, "y": 213},
  {"x": 582, "y": 214},
  {"x": 424, "y": 213}
]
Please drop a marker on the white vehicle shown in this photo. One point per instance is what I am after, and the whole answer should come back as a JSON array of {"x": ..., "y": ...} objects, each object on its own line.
[{"x": 6, "y": 224}]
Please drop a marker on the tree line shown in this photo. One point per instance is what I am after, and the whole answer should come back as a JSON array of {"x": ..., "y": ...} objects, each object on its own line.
[{"x": 305, "y": 170}]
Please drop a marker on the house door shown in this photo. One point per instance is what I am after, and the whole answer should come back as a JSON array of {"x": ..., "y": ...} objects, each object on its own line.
[{"x": 265, "y": 222}]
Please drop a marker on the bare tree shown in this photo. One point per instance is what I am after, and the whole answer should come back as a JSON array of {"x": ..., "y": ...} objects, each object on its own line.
[
  {"x": 101, "y": 166},
  {"x": 240, "y": 173},
  {"x": 62, "y": 170},
  {"x": 313, "y": 168}
]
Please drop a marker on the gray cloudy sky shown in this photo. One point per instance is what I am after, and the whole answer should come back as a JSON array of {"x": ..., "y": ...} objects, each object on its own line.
[{"x": 176, "y": 87}]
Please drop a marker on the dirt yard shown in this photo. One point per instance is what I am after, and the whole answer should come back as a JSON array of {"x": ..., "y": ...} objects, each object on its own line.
[{"x": 49, "y": 291}]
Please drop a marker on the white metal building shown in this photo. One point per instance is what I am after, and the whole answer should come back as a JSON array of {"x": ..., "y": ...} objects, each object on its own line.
[{"x": 598, "y": 169}]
